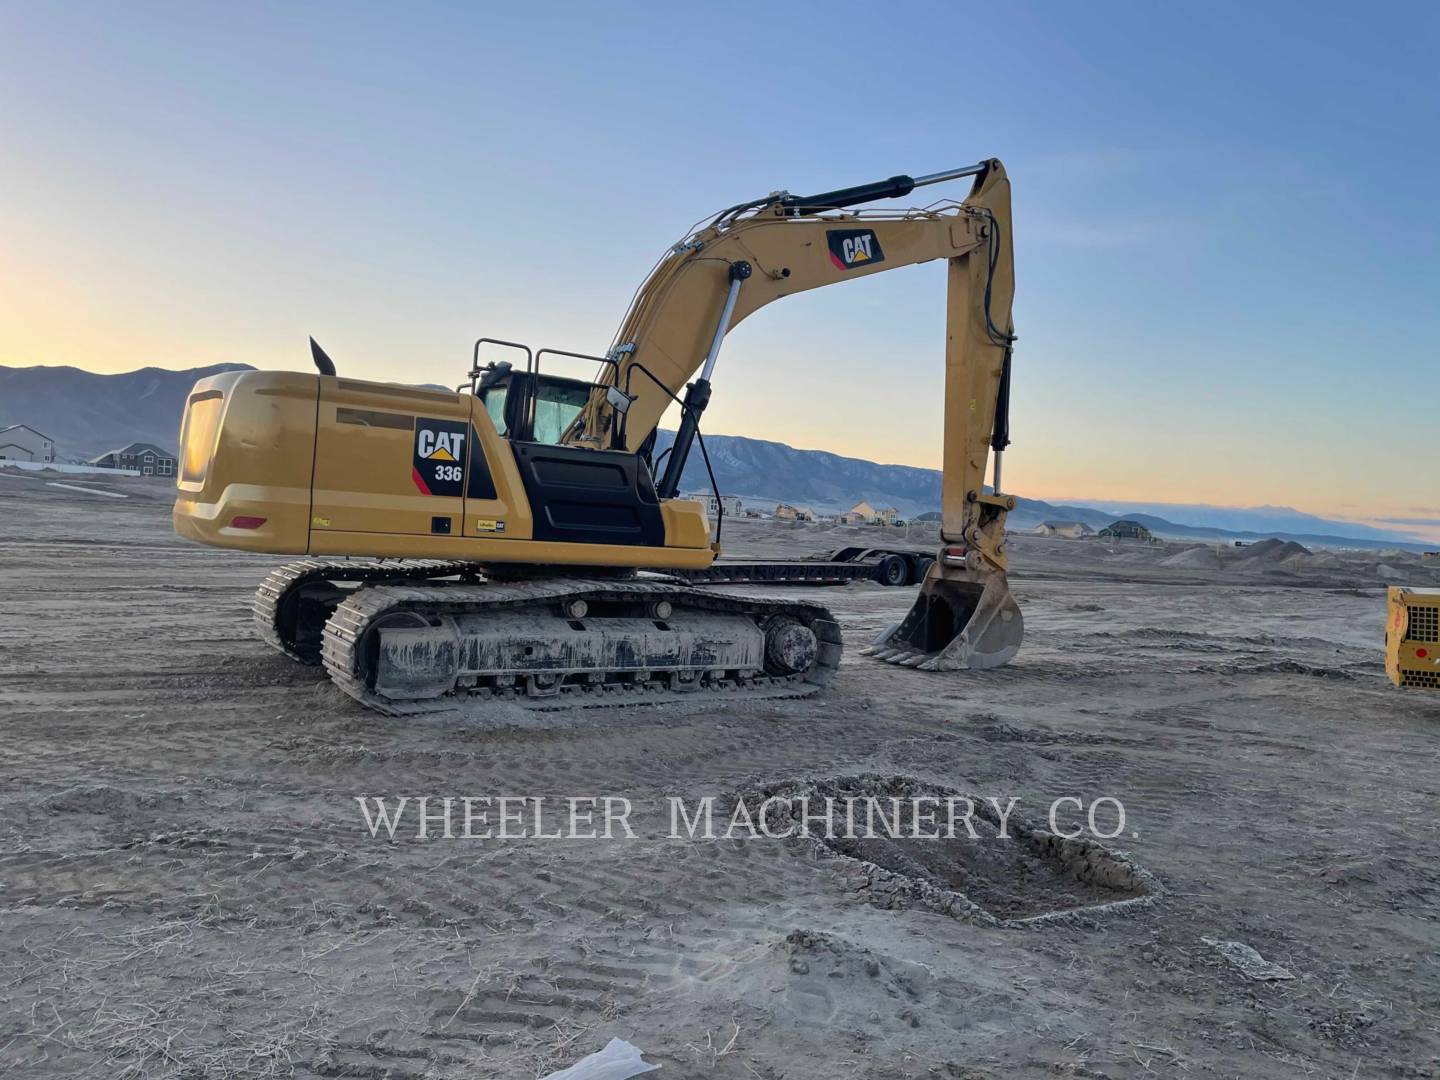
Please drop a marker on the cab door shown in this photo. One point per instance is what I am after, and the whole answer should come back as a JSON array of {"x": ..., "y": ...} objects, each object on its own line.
[
  {"x": 390, "y": 459},
  {"x": 495, "y": 503}
]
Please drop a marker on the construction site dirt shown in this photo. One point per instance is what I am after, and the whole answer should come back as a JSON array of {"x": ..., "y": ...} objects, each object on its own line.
[{"x": 189, "y": 887}]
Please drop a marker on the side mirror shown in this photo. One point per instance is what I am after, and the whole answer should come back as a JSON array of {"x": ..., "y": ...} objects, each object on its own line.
[{"x": 618, "y": 400}]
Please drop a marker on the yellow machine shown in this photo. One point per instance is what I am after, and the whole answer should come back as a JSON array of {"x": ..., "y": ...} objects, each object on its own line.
[
  {"x": 1412, "y": 637},
  {"x": 493, "y": 536}
]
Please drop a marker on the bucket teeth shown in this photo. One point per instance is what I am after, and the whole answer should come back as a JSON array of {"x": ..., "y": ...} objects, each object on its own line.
[{"x": 903, "y": 657}]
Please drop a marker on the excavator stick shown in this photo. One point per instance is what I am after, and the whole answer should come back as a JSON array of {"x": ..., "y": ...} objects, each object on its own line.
[{"x": 963, "y": 618}]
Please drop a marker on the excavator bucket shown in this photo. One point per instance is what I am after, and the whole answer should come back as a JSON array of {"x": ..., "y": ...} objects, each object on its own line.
[{"x": 962, "y": 618}]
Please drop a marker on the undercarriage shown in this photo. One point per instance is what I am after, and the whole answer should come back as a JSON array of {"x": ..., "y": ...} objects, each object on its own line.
[{"x": 409, "y": 637}]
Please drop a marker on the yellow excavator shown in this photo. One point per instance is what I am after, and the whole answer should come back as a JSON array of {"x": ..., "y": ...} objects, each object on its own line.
[{"x": 510, "y": 539}]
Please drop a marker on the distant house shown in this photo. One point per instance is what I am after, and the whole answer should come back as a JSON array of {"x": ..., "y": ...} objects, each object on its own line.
[
  {"x": 887, "y": 515},
  {"x": 862, "y": 513},
  {"x": 729, "y": 503},
  {"x": 1071, "y": 530},
  {"x": 1430, "y": 556},
  {"x": 21, "y": 442},
  {"x": 145, "y": 458},
  {"x": 786, "y": 512},
  {"x": 1125, "y": 529}
]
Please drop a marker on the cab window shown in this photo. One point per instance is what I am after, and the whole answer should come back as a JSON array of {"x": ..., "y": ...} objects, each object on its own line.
[
  {"x": 495, "y": 406},
  {"x": 556, "y": 407}
]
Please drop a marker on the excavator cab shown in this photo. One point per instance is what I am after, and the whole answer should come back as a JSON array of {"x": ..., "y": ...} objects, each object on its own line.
[{"x": 529, "y": 407}]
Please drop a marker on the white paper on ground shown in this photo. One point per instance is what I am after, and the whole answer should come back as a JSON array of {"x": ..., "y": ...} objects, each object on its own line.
[
  {"x": 619, "y": 1060},
  {"x": 1250, "y": 962}
]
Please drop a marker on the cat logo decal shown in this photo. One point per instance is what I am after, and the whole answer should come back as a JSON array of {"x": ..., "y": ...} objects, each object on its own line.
[
  {"x": 853, "y": 248},
  {"x": 438, "y": 465}
]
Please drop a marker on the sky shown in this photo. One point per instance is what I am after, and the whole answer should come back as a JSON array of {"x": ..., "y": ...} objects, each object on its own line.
[{"x": 1227, "y": 216}]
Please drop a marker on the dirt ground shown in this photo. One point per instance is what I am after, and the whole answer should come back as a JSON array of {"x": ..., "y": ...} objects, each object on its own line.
[{"x": 187, "y": 887}]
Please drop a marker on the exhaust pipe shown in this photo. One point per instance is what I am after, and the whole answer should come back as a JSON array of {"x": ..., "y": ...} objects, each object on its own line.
[{"x": 964, "y": 617}]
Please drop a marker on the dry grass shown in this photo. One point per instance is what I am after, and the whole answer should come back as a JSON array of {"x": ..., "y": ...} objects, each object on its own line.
[{"x": 128, "y": 1005}]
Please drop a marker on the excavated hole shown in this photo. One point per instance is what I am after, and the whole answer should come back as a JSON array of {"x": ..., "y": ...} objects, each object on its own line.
[{"x": 1031, "y": 875}]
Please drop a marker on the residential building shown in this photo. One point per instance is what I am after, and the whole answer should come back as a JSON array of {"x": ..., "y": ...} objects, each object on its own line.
[
  {"x": 729, "y": 503},
  {"x": 145, "y": 458},
  {"x": 21, "y": 442},
  {"x": 1125, "y": 529},
  {"x": 1071, "y": 530},
  {"x": 862, "y": 513}
]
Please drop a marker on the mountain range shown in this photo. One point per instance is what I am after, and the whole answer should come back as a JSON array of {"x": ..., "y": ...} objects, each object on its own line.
[
  {"x": 766, "y": 472},
  {"x": 1262, "y": 518},
  {"x": 87, "y": 414}
]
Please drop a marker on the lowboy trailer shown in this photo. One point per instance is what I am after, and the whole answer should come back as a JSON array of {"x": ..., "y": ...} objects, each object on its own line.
[{"x": 888, "y": 566}]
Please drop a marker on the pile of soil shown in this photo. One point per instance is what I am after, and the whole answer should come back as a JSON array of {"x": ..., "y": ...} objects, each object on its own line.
[
  {"x": 1200, "y": 557},
  {"x": 1273, "y": 551}
]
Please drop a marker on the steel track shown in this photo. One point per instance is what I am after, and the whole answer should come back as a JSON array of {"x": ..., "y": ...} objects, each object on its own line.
[
  {"x": 282, "y": 625},
  {"x": 345, "y": 632}
]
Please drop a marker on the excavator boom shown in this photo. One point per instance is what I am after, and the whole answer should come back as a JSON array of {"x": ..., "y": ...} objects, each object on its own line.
[{"x": 756, "y": 253}]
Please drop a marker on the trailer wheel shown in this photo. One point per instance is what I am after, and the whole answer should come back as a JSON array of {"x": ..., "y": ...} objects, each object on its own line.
[{"x": 892, "y": 571}]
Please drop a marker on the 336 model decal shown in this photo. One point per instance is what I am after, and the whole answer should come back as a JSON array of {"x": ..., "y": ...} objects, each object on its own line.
[{"x": 438, "y": 467}]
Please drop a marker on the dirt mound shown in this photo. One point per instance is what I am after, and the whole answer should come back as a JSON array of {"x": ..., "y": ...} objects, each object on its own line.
[
  {"x": 1273, "y": 551},
  {"x": 1200, "y": 557},
  {"x": 1398, "y": 557},
  {"x": 1260, "y": 549}
]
